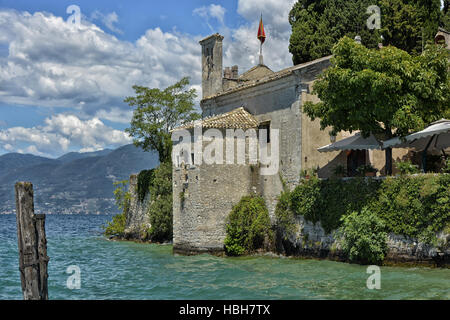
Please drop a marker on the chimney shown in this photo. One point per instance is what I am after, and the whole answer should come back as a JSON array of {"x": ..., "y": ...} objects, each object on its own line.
[
  {"x": 234, "y": 72},
  {"x": 227, "y": 73},
  {"x": 212, "y": 65}
]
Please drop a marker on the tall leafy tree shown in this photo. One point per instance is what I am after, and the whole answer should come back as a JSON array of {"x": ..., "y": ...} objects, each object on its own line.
[
  {"x": 445, "y": 16},
  {"x": 386, "y": 92},
  {"x": 159, "y": 111},
  {"x": 319, "y": 24}
]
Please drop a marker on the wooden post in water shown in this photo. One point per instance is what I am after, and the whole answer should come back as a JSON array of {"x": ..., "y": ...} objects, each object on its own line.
[{"x": 32, "y": 244}]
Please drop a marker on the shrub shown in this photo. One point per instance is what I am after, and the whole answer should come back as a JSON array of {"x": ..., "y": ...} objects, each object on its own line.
[
  {"x": 328, "y": 200},
  {"x": 116, "y": 227},
  {"x": 160, "y": 209},
  {"x": 365, "y": 168},
  {"x": 284, "y": 215},
  {"x": 406, "y": 167},
  {"x": 415, "y": 207},
  {"x": 248, "y": 226},
  {"x": 364, "y": 237},
  {"x": 446, "y": 167}
]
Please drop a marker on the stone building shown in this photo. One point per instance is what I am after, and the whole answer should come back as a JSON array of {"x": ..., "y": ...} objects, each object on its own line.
[
  {"x": 443, "y": 37},
  {"x": 259, "y": 98}
]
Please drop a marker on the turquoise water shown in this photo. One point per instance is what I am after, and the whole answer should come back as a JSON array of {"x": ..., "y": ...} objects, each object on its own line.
[{"x": 127, "y": 270}]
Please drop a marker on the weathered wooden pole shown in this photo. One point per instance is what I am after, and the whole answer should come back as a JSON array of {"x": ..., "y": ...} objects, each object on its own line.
[{"x": 32, "y": 244}]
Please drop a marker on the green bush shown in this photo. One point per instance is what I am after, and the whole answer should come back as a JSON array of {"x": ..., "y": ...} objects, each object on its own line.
[
  {"x": 328, "y": 200},
  {"x": 248, "y": 227},
  {"x": 284, "y": 215},
  {"x": 415, "y": 206},
  {"x": 406, "y": 167},
  {"x": 446, "y": 167},
  {"x": 116, "y": 227},
  {"x": 160, "y": 210},
  {"x": 364, "y": 237}
]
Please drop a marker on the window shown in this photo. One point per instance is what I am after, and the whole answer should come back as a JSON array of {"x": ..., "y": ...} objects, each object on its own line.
[{"x": 265, "y": 126}]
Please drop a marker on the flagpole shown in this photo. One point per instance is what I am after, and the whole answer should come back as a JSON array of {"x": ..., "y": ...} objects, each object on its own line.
[{"x": 260, "y": 47}]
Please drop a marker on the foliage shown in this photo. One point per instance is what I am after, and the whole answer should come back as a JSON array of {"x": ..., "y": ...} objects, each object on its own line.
[
  {"x": 159, "y": 111},
  {"x": 328, "y": 200},
  {"x": 160, "y": 210},
  {"x": 317, "y": 25},
  {"x": 309, "y": 173},
  {"x": 364, "y": 237},
  {"x": 414, "y": 206},
  {"x": 144, "y": 179},
  {"x": 248, "y": 226},
  {"x": 406, "y": 167},
  {"x": 445, "y": 16},
  {"x": 409, "y": 25},
  {"x": 387, "y": 91},
  {"x": 116, "y": 227},
  {"x": 446, "y": 167},
  {"x": 284, "y": 215},
  {"x": 365, "y": 168}
]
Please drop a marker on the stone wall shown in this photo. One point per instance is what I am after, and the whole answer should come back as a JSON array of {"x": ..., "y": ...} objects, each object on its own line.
[
  {"x": 310, "y": 240},
  {"x": 137, "y": 218},
  {"x": 202, "y": 199}
]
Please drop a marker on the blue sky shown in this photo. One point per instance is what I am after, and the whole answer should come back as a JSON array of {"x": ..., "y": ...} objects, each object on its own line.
[{"x": 62, "y": 88}]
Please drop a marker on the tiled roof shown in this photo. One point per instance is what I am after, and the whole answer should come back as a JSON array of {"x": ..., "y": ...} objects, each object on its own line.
[
  {"x": 268, "y": 78},
  {"x": 235, "y": 119}
]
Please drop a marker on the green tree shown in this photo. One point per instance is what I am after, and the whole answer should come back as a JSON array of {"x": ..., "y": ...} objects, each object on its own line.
[
  {"x": 157, "y": 113},
  {"x": 386, "y": 92},
  {"x": 160, "y": 210},
  {"x": 319, "y": 24},
  {"x": 445, "y": 16}
]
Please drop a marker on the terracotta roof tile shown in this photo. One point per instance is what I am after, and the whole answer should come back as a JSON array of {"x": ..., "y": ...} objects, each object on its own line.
[{"x": 236, "y": 119}]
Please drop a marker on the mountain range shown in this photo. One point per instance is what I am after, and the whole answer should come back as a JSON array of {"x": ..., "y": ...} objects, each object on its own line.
[{"x": 75, "y": 183}]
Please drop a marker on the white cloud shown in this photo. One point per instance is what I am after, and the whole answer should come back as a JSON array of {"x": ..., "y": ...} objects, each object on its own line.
[
  {"x": 61, "y": 133},
  {"x": 215, "y": 11},
  {"x": 244, "y": 49},
  {"x": 109, "y": 20},
  {"x": 52, "y": 63}
]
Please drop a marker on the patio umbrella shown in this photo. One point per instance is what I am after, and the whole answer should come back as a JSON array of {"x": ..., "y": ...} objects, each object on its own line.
[
  {"x": 435, "y": 137},
  {"x": 355, "y": 142}
]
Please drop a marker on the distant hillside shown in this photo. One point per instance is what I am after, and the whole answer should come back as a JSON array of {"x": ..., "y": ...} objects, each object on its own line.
[
  {"x": 73, "y": 183},
  {"x": 12, "y": 161},
  {"x": 77, "y": 155}
]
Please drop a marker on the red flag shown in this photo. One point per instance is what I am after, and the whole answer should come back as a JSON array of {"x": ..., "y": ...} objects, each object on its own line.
[{"x": 261, "y": 33}]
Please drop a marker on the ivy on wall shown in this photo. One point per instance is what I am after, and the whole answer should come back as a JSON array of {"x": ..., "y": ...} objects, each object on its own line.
[
  {"x": 414, "y": 206},
  {"x": 144, "y": 180}
]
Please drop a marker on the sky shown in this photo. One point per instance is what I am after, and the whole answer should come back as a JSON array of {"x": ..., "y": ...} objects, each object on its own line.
[{"x": 62, "y": 85}]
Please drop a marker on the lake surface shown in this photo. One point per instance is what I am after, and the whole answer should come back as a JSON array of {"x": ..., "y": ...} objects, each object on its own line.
[{"x": 127, "y": 270}]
